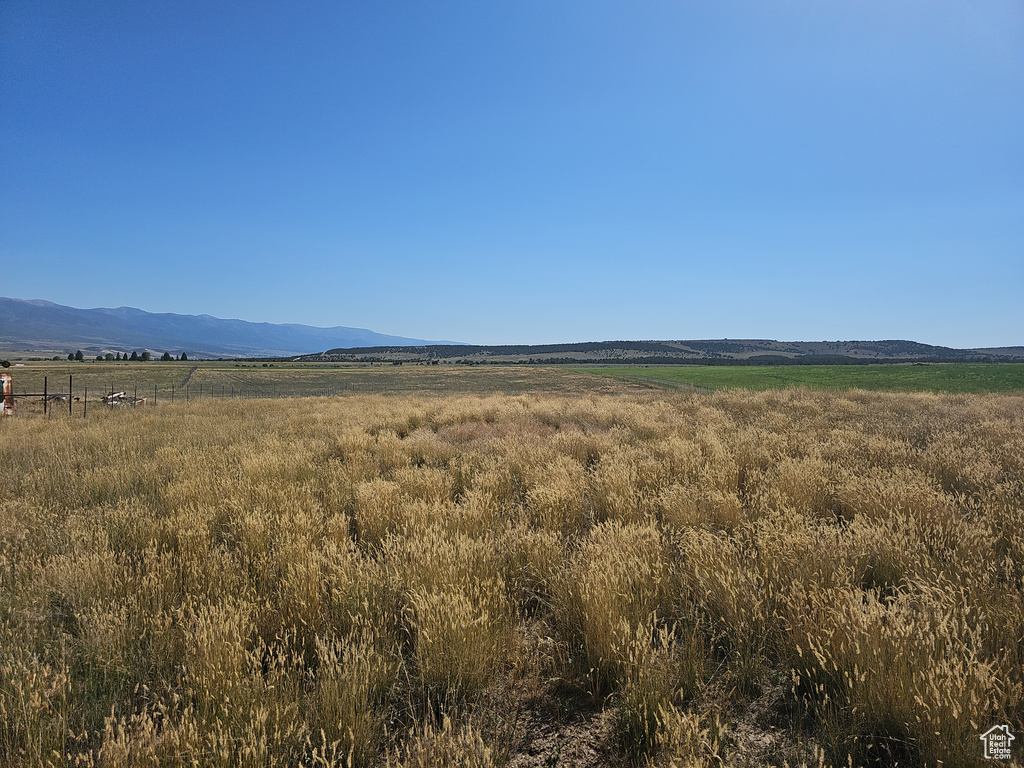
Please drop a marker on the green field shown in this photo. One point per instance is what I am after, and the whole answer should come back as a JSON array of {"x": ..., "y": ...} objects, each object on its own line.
[{"x": 955, "y": 378}]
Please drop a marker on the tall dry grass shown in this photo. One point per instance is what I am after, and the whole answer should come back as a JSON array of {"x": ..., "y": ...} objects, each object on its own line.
[{"x": 392, "y": 581}]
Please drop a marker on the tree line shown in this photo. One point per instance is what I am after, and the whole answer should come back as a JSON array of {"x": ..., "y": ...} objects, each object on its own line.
[{"x": 143, "y": 357}]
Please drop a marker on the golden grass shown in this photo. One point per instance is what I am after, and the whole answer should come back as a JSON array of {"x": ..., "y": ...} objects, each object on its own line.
[{"x": 389, "y": 580}]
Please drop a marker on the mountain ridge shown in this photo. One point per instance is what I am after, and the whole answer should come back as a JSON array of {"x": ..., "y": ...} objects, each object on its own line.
[
  {"x": 37, "y": 325},
  {"x": 674, "y": 352}
]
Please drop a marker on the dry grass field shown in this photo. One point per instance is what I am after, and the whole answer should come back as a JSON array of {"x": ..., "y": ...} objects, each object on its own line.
[
  {"x": 162, "y": 383},
  {"x": 636, "y": 578}
]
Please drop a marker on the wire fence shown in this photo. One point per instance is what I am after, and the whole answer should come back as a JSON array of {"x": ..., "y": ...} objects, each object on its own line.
[{"x": 77, "y": 400}]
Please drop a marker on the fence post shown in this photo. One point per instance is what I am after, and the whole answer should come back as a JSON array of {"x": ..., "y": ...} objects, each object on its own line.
[
  {"x": 85, "y": 403},
  {"x": 46, "y": 399},
  {"x": 71, "y": 392}
]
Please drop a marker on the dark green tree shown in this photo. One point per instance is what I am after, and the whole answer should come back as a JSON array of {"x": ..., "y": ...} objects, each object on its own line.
[
  {"x": 135, "y": 355},
  {"x": 166, "y": 356},
  {"x": 184, "y": 356},
  {"x": 79, "y": 356},
  {"x": 71, "y": 355},
  {"x": 145, "y": 356}
]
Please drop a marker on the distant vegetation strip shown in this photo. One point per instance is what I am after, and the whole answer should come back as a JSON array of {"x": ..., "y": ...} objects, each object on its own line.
[
  {"x": 692, "y": 352},
  {"x": 955, "y": 378}
]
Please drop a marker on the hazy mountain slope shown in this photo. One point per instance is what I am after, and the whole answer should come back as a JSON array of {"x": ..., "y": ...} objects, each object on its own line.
[{"x": 42, "y": 325}]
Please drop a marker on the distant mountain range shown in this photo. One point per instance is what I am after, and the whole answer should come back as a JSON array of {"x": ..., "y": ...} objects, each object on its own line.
[
  {"x": 702, "y": 352},
  {"x": 44, "y": 327}
]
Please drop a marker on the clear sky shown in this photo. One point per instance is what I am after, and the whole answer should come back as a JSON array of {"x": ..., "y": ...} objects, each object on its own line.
[{"x": 523, "y": 171}]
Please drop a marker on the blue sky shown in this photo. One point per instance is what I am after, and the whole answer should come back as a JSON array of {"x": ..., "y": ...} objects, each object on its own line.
[{"x": 523, "y": 172}]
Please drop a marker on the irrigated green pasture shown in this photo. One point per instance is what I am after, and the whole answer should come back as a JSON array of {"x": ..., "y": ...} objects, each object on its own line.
[{"x": 953, "y": 377}]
